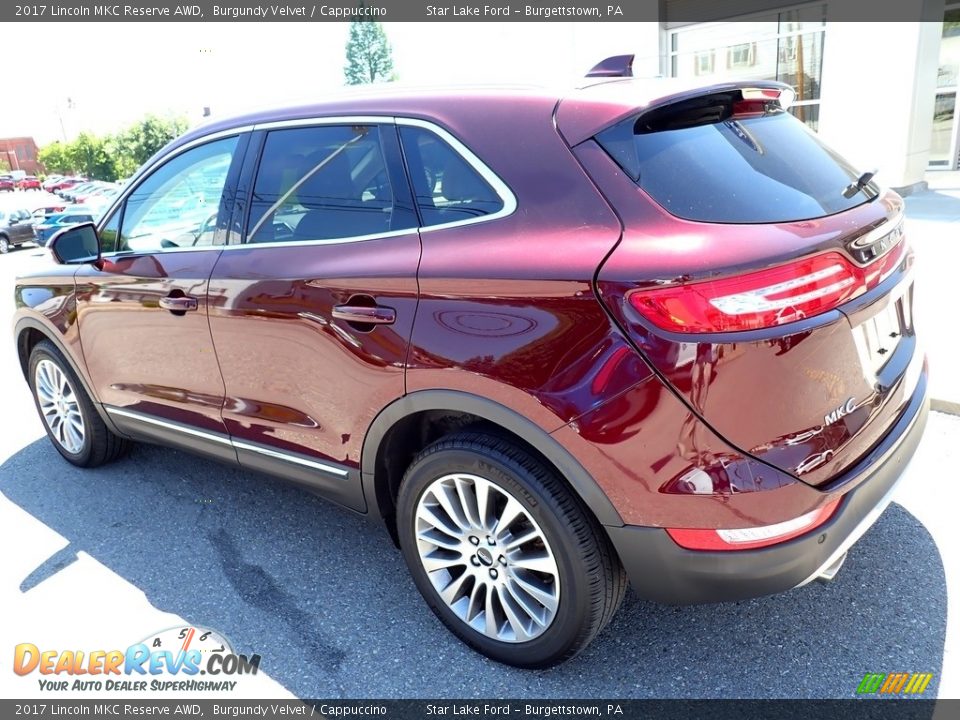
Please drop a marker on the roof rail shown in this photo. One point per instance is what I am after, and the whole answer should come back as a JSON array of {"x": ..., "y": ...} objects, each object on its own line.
[{"x": 616, "y": 66}]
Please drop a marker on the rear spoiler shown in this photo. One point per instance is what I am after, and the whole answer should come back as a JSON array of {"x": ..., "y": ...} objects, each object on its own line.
[{"x": 587, "y": 111}]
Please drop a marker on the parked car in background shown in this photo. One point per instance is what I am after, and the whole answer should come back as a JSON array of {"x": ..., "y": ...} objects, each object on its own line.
[
  {"x": 7, "y": 183},
  {"x": 41, "y": 214},
  {"x": 50, "y": 181},
  {"x": 44, "y": 230},
  {"x": 15, "y": 228},
  {"x": 65, "y": 183},
  {"x": 45, "y": 211},
  {"x": 641, "y": 329},
  {"x": 71, "y": 192},
  {"x": 29, "y": 182},
  {"x": 101, "y": 193}
]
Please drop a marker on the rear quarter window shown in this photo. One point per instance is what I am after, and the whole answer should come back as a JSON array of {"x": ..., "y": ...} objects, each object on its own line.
[{"x": 448, "y": 189}]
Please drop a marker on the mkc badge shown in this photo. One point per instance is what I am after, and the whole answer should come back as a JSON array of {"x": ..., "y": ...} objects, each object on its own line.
[{"x": 841, "y": 411}]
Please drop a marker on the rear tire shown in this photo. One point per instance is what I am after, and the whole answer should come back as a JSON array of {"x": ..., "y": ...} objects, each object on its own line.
[
  {"x": 504, "y": 553},
  {"x": 4, "y": 245},
  {"x": 72, "y": 423}
]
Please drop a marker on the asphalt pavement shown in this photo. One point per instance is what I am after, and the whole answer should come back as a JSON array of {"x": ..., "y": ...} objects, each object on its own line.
[{"x": 97, "y": 558}]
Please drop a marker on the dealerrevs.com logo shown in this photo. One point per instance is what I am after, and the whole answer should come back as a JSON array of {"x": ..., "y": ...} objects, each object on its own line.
[{"x": 171, "y": 660}]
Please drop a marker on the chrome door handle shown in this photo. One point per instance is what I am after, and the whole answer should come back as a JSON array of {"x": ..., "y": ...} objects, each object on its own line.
[
  {"x": 179, "y": 304},
  {"x": 377, "y": 315}
]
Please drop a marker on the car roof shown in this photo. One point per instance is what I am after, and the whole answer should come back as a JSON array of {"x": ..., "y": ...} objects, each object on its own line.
[
  {"x": 381, "y": 100},
  {"x": 581, "y": 111}
]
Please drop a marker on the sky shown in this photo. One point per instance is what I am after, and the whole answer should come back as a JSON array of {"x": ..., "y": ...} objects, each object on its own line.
[{"x": 118, "y": 72}]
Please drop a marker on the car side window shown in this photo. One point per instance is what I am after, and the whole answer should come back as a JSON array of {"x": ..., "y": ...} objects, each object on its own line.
[
  {"x": 109, "y": 234},
  {"x": 177, "y": 205},
  {"x": 326, "y": 182},
  {"x": 448, "y": 188}
]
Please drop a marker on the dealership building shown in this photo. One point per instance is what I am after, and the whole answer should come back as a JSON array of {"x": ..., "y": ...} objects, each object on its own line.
[
  {"x": 884, "y": 93},
  {"x": 20, "y": 153}
]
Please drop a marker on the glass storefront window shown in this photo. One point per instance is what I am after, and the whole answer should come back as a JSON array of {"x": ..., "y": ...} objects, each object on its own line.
[
  {"x": 785, "y": 46},
  {"x": 808, "y": 113},
  {"x": 716, "y": 49},
  {"x": 945, "y": 137},
  {"x": 710, "y": 36},
  {"x": 804, "y": 19},
  {"x": 800, "y": 64},
  {"x": 949, "y": 49},
  {"x": 941, "y": 140}
]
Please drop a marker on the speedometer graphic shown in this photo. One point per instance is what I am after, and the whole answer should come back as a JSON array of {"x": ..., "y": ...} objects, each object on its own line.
[{"x": 189, "y": 637}]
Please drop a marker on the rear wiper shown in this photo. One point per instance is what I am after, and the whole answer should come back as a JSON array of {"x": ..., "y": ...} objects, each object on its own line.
[{"x": 853, "y": 188}]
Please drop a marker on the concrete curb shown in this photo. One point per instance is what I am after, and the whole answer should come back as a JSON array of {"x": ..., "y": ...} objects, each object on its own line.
[{"x": 945, "y": 406}]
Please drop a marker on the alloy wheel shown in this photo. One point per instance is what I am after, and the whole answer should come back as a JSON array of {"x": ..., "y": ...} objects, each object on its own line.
[
  {"x": 59, "y": 406},
  {"x": 487, "y": 558}
]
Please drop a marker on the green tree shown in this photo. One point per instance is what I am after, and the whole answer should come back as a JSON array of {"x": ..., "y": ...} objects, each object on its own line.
[
  {"x": 139, "y": 143},
  {"x": 54, "y": 158},
  {"x": 89, "y": 154},
  {"x": 369, "y": 57},
  {"x": 112, "y": 156}
]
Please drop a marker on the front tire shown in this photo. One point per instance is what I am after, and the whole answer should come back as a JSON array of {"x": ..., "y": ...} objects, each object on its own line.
[
  {"x": 4, "y": 245},
  {"x": 504, "y": 553},
  {"x": 69, "y": 417}
]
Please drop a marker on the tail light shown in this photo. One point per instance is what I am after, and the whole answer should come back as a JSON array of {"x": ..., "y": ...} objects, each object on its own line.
[
  {"x": 766, "y": 298},
  {"x": 755, "y": 537}
]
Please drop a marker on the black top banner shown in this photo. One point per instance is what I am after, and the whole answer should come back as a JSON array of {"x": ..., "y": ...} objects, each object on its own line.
[{"x": 672, "y": 11}]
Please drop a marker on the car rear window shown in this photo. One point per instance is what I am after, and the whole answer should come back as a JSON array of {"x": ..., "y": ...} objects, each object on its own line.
[{"x": 720, "y": 159}]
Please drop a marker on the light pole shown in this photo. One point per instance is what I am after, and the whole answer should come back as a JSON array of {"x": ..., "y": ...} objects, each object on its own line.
[{"x": 63, "y": 129}]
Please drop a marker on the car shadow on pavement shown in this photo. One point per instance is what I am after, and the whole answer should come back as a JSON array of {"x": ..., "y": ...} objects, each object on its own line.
[
  {"x": 934, "y": 205},
  {"x": 322, "y": 595}
]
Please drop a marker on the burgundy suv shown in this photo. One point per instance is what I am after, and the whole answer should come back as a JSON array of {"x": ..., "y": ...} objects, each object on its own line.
[{"x": 643, "y": 330}]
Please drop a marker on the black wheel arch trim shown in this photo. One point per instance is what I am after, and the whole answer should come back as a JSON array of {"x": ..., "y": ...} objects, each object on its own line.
[
  {"x": 569, "y": 467},
  {"x": 27, "y": 323}
]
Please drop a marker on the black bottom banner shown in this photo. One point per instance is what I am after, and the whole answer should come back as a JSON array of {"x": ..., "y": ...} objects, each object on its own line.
[{"x": 875, "y": 709}]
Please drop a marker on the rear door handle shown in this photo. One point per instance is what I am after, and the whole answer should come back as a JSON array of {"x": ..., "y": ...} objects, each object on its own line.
[
  {"x": 179, "y": 304},
  {"x": 378, "y": 315}
]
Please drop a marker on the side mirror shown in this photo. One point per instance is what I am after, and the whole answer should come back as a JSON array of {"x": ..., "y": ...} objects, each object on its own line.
[{"x": 76, "y": 245}]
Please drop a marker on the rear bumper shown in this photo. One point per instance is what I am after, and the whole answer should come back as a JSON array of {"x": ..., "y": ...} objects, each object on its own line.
[{"x": 662, "y": 571}]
